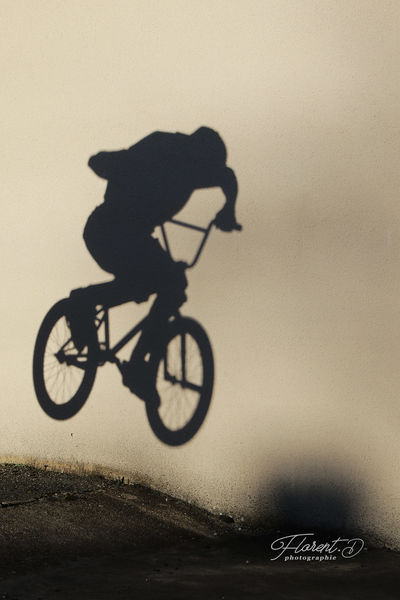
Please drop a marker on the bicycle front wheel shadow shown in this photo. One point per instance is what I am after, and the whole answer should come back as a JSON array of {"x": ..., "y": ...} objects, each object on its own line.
[
  {"x": 184, "y": 378},
  {"x": 62, "y": 375}
]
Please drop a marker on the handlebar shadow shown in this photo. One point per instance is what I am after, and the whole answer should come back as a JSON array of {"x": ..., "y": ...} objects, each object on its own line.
[{"x": 204, "y": 230}]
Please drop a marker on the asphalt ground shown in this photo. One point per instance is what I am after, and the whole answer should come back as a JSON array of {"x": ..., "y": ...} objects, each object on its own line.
[{"x": 69, "y": 535}]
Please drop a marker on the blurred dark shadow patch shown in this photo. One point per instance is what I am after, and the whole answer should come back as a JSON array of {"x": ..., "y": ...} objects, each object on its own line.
[{"x": 316, "y": 499}]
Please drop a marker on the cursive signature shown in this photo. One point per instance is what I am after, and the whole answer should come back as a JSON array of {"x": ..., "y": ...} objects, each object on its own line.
[{"x": 301, "y": 543}]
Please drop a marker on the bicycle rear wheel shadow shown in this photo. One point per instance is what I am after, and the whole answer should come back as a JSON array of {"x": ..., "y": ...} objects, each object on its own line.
[{"x": 63, "y": 376}]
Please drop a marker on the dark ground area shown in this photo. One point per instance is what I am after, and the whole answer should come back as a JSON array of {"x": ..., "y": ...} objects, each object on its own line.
[{"x": 65, "y": 536}]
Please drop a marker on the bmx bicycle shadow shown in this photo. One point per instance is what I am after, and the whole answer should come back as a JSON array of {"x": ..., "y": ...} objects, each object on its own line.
[{"x": 180, "y": 362}]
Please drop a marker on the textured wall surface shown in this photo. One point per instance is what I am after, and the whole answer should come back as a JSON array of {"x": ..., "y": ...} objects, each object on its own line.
[{"x": 302, "y": 306}]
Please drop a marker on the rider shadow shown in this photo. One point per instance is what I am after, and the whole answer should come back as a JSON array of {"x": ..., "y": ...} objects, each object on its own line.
[{"x": 171, "y": 367}]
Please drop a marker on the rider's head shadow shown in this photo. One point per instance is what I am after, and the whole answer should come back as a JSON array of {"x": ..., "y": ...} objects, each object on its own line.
[{"x": 208, "y": 146}]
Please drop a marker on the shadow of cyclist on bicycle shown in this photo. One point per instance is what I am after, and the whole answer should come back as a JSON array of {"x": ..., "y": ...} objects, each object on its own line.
[{"x": 148, "y": 184}]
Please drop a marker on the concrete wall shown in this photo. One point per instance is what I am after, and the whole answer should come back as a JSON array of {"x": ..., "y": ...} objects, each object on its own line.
[{"x": 302, "y": 306}]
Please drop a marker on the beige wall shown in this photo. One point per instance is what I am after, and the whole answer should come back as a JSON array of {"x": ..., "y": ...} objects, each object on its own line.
[{"x": 302, "y": 307}]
